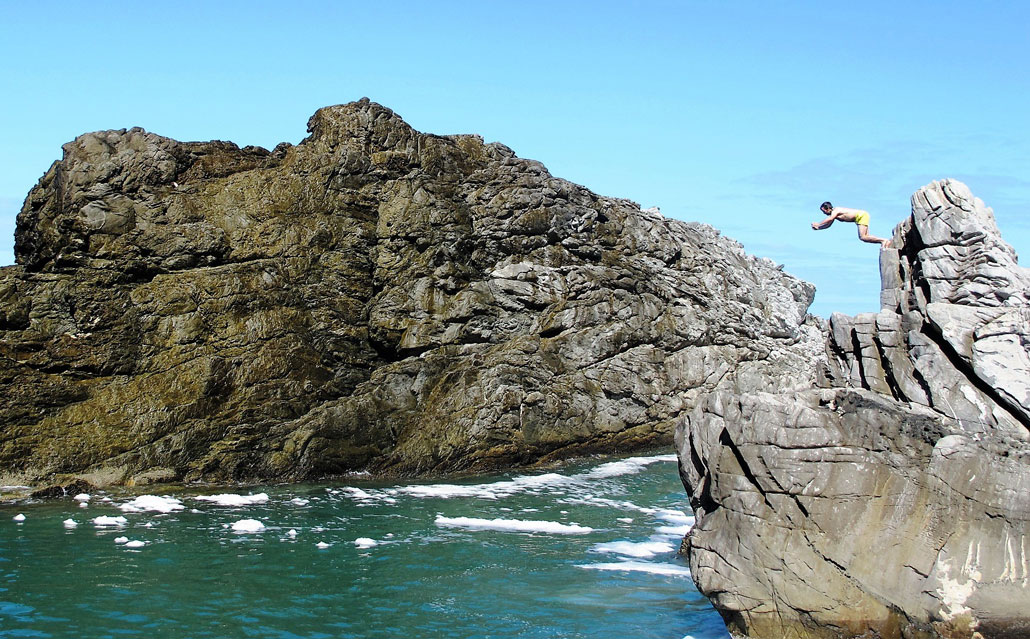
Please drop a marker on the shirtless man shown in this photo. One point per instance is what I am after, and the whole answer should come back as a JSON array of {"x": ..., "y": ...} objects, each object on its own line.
[{"x": 844, "y": 214}]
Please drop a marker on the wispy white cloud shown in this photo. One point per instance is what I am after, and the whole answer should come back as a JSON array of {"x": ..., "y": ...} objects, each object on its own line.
[{"x": 882, "y": 178}]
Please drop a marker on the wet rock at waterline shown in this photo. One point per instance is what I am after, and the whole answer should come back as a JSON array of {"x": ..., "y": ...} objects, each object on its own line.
[
  {"x": 373, "y": 298},
  {"x": 892, "y": 498}
]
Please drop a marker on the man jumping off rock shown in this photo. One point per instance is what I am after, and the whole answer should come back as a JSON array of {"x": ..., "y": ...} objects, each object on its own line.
[{"x": 844, "y": 214}]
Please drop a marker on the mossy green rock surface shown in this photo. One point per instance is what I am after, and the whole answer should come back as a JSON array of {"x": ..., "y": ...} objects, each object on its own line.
[{"x": 373, "y": 298}]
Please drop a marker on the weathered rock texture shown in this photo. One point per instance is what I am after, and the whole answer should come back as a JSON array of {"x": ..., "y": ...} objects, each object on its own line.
[
  {"x": 893, "y": 500},
  {"x": 372, "y": 298}
]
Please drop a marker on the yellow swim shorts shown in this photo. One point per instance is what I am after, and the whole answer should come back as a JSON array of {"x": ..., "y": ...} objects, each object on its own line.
[{"x": 862, "y": 218}]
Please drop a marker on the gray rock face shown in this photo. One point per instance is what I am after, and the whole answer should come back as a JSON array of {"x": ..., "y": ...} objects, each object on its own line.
[
  {"x": 893, "y": 498},
  {"x": 372, "y": 298}
]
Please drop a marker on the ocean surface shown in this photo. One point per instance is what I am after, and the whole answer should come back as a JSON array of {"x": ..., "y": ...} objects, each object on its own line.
[{"x": 587, "y": 549}]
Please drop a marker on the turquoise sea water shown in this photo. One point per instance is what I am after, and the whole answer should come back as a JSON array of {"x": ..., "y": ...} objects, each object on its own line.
[{"x": 585, "y": 550}]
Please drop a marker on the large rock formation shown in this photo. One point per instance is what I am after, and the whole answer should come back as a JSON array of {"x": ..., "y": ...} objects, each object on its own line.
[
  {"x": 892, "y": 499},
  {"x": 372, "y": 298}
]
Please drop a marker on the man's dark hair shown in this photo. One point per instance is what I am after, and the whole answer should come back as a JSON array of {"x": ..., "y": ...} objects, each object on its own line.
[{"x": 825, "y": 205}]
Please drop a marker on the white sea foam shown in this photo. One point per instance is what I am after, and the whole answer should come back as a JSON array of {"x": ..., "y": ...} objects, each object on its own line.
[
  {"x": 356, "y": 493},
  {"x": 151, "y": 503},
  {"x": 625, "y": 520},
  {"x": 534, "y": 484},
  {"x": 365, "y": 542},
  {"x": 135, "y": 544},
  {"x": 584, "y": 499},
  {"x": 230, "y": 499},
  {"x": 121, "y": 540},
  {"x": 630, "y": 466},
  {"x": 681, "y": 522},
  {"x": 104, "y": 520},
  {"x": 297, "y": 501},
  {"x": 70, "y": 523},
  {"x": 83, "y": 504},
  {"x": 673, "y": 570},
  {"x": 19, "y": 517},
  {"x": 514, "y": 525},
  {"x": 642, "y": 549},
  {"x": 247, "y": 525},
  {"x": 675, "y": 516},
  {"x": 82, "y": 497},
  {"x": 322, "y": 545},
  {"x": 291, "y": 533}
]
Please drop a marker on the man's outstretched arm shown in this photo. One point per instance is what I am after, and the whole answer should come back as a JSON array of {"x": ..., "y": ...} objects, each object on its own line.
[{"x": 822, "y": 224}]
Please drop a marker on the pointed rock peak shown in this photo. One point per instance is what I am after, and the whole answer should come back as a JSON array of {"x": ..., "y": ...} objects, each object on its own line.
[
  {"x": 950, "y": 250},
  {"x": 374, "y": 126}
]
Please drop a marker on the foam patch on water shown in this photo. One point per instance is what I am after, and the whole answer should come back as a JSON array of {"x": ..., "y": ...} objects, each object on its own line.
[
  {"x": 641, "y": 549},
  {"x": 512, "y": 525},
  {"x": 681, "y": 522},
  {"x": 151, "y": 503},
  {"x": 365, "y": 542},
  {"x": 534, "y": 484},
  {"x": 121, "y": 540},
  {"x": 135, "y": 544},
  {"x": 231, "y": 499},
  {"x": 247, "y": 526},
  {"x": 19, "y": 518},
  {"x": 630, "y": 466},
  {"x": 70, "y": 523},
  {"x": 104, "y": 520},
  {"x": 82, "y": 497},
  {"x": 672, "y": 570},
  {"x": 297, "y": 501},
  {"x": 362, "y": 496},
  {"x": 322, "y": 545},
  {"x": 585, "y": 499}
]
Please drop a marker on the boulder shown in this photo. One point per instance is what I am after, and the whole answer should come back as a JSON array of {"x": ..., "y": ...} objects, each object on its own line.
[{"x": 371, "y": 299}]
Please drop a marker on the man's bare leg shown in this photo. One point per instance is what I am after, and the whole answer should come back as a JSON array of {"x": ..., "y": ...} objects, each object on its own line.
[{"x": 863, "y": 234}]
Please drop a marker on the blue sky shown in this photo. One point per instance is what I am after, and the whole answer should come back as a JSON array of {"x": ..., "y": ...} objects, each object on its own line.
[{"x": 744, "y": 115}]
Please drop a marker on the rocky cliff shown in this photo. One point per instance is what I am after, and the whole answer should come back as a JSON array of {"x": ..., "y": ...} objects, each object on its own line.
[
  {"x": 373, "y": 298},
  {"x": 892, "y": 498}
]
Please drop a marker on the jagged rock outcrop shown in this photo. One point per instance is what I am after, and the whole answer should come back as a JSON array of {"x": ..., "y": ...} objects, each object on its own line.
[
  {"x": 372, "y": 298},
  {"x": 892, "y": 499}
]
